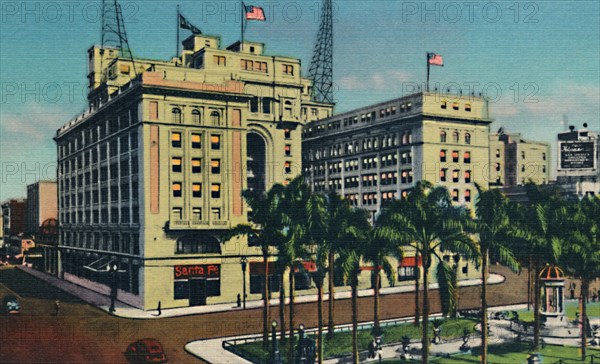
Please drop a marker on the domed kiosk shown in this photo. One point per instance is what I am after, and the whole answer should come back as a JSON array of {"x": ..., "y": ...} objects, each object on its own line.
[{"x": 552, "y": 309}]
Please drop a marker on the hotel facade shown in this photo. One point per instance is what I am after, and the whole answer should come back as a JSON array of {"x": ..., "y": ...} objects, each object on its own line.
[{"x": 151, "y": 175}]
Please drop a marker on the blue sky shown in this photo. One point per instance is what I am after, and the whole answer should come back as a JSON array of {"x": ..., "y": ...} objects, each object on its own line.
[{"x": 537, "y": 61}]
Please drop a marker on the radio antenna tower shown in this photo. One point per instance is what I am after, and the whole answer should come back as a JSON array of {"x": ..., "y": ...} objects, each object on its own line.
[
  {"x": 321, "y": 67},
  {"x": 113, "y": 30}
]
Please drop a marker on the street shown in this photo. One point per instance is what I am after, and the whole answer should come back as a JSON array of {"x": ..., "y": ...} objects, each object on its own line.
[{"x": 84, "y": 334}]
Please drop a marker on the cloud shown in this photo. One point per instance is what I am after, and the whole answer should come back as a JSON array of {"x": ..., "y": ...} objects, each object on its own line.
[
  {"x": 378, "y": 81},
  {"x": 33, "y": 122}
]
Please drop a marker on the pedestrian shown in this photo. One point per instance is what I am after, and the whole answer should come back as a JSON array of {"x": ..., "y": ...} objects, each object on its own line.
[
  {"x": 158, "y": 309},
  {"x": 239, "y": 300},
  {"x": 56, "y": 307},
  {"x": 572, "y": 289}
]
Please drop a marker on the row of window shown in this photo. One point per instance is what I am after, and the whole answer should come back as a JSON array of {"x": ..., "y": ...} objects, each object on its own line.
[
  {"x": 257, "y": 66},
  {"x": 455, "y": 156},
  {"x": 120, "y": 145},
  {"x": 455, "y": 137},
  {"x": 455, "y": 106},
  {"x": 455, "y": 175},
  {"x": 114, "y": 215},
  {"x": 195, "y": 140},
  {"x": 123, "y": 242},
  {"x": 177, "y": 213},
  {"x": 196, "y": 192},
  {"x": 370, "y": 162},
  {"x": 94, "y": 173},
  {"x": 367, "y": 144},
  {"x": 88, "y": 196},
  {"x": 196, "y": 115}
]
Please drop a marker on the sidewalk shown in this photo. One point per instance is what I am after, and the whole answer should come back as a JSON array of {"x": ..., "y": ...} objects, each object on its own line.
[
  {"x": 123, "y": 310},
  {"x": 212, "y": 350}
]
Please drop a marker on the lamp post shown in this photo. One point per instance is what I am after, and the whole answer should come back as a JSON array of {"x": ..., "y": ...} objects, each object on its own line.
[
  {"x": 113, "y": 289},
  {"x": 306, "y": 350},
  {"x": 244, "y": 263},
  {"x": 275, "y": 357}
]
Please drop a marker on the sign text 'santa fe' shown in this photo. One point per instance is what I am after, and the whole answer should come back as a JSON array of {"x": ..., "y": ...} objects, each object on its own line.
[{"x": 191, "y": 271}]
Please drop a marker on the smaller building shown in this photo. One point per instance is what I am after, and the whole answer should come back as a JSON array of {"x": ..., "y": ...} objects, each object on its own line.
[
  {"x": 578, "y": 172},
  {"x": 515, "y": 161},
  {"x": 14, "y": 213},
  {"x": 42, "y": 204}
]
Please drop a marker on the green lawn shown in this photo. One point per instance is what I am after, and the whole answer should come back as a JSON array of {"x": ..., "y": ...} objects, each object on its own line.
[
  {"x": 517, "y": 353},
  {"x": 571, "y": 307},
  {"x": 341, "y": 344}
]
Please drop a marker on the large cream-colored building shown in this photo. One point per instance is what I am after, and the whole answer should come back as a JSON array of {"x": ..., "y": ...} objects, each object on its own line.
[
  {"x": 151, "y": 176},
  {"x": 377, "y": 153},
  {"x": 516, "y": 161}
]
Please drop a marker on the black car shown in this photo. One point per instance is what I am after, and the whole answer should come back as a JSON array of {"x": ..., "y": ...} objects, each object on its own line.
[{"x": 11, "y": 305}]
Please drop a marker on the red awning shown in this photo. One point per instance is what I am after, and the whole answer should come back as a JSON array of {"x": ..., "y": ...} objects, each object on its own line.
[
  {"x": 310, "y": 267},
  {"x": 410, "y": 262}
]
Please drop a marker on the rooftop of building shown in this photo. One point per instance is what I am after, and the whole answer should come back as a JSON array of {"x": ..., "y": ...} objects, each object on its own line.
[{"x": 510, "y": 138}]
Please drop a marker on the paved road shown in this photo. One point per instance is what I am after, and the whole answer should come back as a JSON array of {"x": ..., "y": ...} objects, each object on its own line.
[{"x": 84, "y": 334}]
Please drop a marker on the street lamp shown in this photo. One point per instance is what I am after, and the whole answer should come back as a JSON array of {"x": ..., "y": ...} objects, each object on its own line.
[
  {"x": 275, "y": 356},
  {"x": 306, "y": 349},
  {"x": 113, "y": 289},
  {"x": 244, "y": 263}
]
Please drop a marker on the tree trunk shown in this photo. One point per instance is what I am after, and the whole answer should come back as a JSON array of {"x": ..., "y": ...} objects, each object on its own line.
[
  {"x": 584, "y": 328},
  {"x": 536, "y": 306},
  {"x": 529, "y": 285},
  {"x": 320, "y": 322},
  {"x": 331, "y": 322},
  {"x": 417, "y": 275},
  {"x": 425, "y": 334},
  {"x": 354, "y": 320},
  {"x": 266, "y": 300},
  {"x": 484, "y": 318},
  {"x": 292, "y": 337},
  {"x": 376, "y": 299},
  {"x": 282, "y": 307}
]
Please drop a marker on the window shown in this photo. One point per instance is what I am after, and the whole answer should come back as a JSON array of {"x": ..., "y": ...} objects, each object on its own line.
[
  {"x": 260, "y": 67},
  {"x": 176, "y": 139},
  {"x": 287, "y": 133},
  {"x": 455, "y": 175},
  {"x": 467, "y": 138},
  {"x": 215, "y": 142},
  {"x": 196, "y": 119},
  {"x": 443, "y": 155},
  {"x": 215, "y": 117},
  {"x": 455, "y": 156},
  {"x": 176, "y": 115},
  {"x": 497, "y": 166},
  {"x": 288, "y": 167},
  {"x": 215, "y": 191},
  {"x": 288, "y": 150},
  {"x": 177, "y": 213},
  {"x": 196, "y": 214},
  {"x": 196, "y": 165},
  {"x": 196, "y": 141},
  {"x": 288, "y": 109},
  {"x": 455, "y": 106},
  {"x": 523, "y": 155},
  {"x": 197, "y": 190},
  {"x": 220, "y": 60},
  {"x": 467, "y": 157},
  {"x": 247, "y": 65},
  {"x": 468, "y": 107},
  {"x": 497, "y": 153},
  {"x": 215, "y": 213},
  {"x": 406, "y": 273},
  {"x": 176, "y": 189},
  {"x": 455, "y": 137},
  {"x": 455, "y": 195},
  {"x": 215, "y": 166},
  {"x": 176, "y": 164},
  {"x": 266, "y": 105},
  {"x": 254, "y": 104},
  {"x": 543, "y": 156},
  {"x": 467, "y": 195},
  {"x": 443, "y": 173},
  {"x": 442, "y": 137},
  {"x": 288, "y": 69},
  {"x": 468, "y": 176},
  {"x": 444, "y": 105}
]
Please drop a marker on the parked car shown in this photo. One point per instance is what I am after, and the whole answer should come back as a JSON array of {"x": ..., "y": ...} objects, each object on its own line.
[
  {"x": 146, "y": 351},
  {"x": 11, "y": 305}
]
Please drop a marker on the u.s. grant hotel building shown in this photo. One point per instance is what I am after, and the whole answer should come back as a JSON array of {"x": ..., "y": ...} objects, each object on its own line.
[{"x": 151, "y": 175}]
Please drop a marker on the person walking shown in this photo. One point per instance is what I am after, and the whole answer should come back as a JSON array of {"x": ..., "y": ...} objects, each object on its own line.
[
  {"x": 56, "y": 307},
  {"x": 158, "y": 309}
]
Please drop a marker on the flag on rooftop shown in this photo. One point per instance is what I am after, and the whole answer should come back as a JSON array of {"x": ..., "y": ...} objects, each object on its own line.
[
  {"x": 185, "y": 24},
  {"x": 435, "y": 59},
  {"x": 254, "y": 13}
]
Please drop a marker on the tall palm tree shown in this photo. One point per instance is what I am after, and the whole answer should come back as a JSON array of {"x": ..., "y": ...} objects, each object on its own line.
[
  {"x": 538, "y": 229},
  {"x": 265, "y": 232},
  {"x": 581, "y": 256},
  {"x": 426, "y": 221},
  {"x": 492, "y": 226}
]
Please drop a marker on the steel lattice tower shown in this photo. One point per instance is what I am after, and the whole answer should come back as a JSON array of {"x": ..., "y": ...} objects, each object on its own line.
[
  {"x": 321, "y": 67},
  {"x": 113, "y": 30}
]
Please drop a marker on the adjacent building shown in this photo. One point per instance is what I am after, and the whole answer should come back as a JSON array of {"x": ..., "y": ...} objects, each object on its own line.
[
  {"x": 41, "y": 204},
  {"x": 377, "y": 153},
  {"x": 151, "y": 175},
  {"x": 578, "y": 171},
  {"x": 516, "y": 161},
  {"x": 14, "y": 213}
]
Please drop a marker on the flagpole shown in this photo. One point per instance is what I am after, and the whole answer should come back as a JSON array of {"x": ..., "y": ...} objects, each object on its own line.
[
  {"x": 428, "y": 66},
  {"x": 178, "y": 20},
  {"x": 243, "y": 12}
]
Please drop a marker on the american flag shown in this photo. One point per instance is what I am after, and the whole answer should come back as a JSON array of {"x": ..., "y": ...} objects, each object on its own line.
[
  {"x": 255, "y": 13},
  {"x": 435, "y": 59}
]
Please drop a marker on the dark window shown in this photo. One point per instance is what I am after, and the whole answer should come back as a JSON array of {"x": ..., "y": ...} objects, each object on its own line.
[{"x": 254, "y": 104}]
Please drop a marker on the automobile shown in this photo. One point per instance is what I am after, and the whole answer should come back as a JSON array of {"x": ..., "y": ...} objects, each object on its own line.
[
  {"x": 11, "y": 305},
  {"x": 146, "y": 351}
]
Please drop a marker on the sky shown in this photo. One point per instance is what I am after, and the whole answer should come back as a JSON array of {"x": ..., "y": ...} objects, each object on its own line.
[{"x": 536, "y": 61}]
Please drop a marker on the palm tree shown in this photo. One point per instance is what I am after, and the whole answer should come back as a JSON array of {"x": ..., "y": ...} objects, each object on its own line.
[
  {"x": 581, "y": 256},
  {"x": 265, "y": 232},
  {"x": 538, "y": 234},
  {"x": 426, "y": 221},
  {"x": 352, "y": 249},
  {"x": 492, "y": 226}
]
